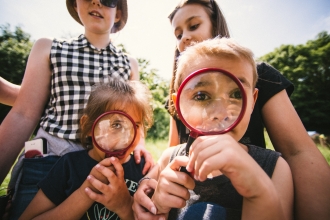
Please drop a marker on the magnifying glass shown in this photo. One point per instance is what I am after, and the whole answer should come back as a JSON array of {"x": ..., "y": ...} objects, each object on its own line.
[
  {"x": 210, "y": 101},
  {"x": 113, "y": 133}
]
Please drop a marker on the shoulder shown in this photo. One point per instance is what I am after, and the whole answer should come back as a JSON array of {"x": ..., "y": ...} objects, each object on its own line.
[
  {"x": 43, "y": 45},
  {"x": 134, "y": 67}
]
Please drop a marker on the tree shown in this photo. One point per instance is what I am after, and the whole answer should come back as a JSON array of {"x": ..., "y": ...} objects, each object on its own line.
[
  {"x": 308, "y": 68},
  {"x": 159, "y": 90},
  {"x": 14, "y": 51}
]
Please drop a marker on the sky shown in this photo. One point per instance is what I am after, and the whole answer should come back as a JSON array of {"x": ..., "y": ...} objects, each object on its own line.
[{"x": 261, "y": 25}]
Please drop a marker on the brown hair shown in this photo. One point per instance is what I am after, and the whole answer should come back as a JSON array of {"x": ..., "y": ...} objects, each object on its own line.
[
  {"x": 116, "y": 95},
  {"x": 219, "y": 28}
]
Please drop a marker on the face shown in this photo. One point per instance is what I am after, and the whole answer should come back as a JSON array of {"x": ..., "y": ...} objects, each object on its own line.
[
  {"x": 191, "y": 24},
  {"x": 96, "y": 17},
  {"x": 210, "y": 102},
  {"x": 220, "y": 108},
  {"x": 114, "y": 132}
]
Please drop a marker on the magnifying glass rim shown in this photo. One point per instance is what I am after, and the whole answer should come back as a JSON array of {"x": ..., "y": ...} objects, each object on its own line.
[
  {"x": 195, "y": 131},
  {"x": 117, "y": 153}
]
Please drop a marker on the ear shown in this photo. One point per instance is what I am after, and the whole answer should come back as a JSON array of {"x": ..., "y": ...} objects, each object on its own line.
[
  {"x": 255, "y": 96},
  {"x": 118, "y": 15},
  {"x": 174, "y": 99},
  {"x": 75, "y": 6}
]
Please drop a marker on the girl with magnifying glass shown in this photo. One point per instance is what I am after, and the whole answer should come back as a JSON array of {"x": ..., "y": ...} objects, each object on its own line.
[
  {"x": 100, "y": 180},
  {"x": 227, "y": 179}
]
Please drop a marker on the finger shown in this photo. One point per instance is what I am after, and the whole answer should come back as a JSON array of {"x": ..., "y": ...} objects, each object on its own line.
[
  {"x": 98, "y": 185},
  {"x": 181, "y": 178},
  {"x": 143, "y": 194},
  {"x": 137, "y": 155},
  {"x": 119, "y": 170},
  {"x": 149, "y": 162}
]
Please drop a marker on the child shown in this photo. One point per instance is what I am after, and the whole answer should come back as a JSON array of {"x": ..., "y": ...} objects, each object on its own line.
[
  {"x": 57, "y": 81},
  {"x": 8, "y": 92},
  {"x": 66, "y": 182},
  {"x": 198, "y": 20},
  {"x": 248, "y": 182}
]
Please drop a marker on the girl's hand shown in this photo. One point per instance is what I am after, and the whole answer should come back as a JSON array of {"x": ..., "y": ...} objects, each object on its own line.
[
  {"x": 172, "y": 188},
  {"x": 143, "y": 207},
  {"x": 115, "y": 195},
  {"x": 140, "y": 151}
]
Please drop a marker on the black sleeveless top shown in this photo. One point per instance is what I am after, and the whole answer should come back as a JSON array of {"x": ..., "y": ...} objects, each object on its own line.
[{"x": 216, "y": 194}]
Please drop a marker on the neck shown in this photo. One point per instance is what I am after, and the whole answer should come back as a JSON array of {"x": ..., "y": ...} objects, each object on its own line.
[{"x": 98, "y": 40}]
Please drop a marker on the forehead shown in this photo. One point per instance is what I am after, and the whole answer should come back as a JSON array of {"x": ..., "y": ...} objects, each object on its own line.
[
  {"x": 187, "y": 13},
  {"x": 239, "y": 67},
  {"x": 129, "y": 109}
]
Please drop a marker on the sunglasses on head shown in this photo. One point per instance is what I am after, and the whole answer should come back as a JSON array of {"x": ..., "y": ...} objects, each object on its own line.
[{"x": 109, "y": 3}]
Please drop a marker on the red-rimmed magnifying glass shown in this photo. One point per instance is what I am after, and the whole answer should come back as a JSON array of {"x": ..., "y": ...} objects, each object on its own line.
[
  {"x": 113, "y": 133},
  {"x": 210, "y": 101}
]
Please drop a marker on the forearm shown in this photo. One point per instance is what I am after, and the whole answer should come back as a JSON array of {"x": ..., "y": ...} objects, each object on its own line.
[
  {"x": 8, "y": 92},
  {"x": 11, "y": 145},
  {"x": 311, "y": 177},
  {"x": 74, "y": 207}
]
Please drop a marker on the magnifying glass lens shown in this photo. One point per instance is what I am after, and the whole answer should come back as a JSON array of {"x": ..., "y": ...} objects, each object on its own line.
[
  {"x": 113, "y": 132},
  {"x": 210, "y": 102}
]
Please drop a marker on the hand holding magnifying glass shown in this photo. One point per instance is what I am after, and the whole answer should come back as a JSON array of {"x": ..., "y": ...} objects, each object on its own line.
[{"x": 210, "y": 101}]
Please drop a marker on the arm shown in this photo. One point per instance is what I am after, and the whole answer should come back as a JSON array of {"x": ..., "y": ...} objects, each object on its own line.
[
  {"x": 173, "y": 139},
  {"x": 134, "y": 68},
  {"x": 223, "y": 153},
  {"x": 311, "y": 173},
  {"x": 42, "y": 208},
  {"x": 8, "y": 92},
  {"x": 140, "y": 150},
  {"x": 29, "y": 106}
]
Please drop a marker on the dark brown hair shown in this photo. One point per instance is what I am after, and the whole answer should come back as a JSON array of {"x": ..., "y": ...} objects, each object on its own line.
[{"x": 219, "y": 28}]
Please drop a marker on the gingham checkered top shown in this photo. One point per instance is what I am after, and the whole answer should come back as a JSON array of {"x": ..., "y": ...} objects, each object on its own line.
[{"x": 76, "y": 66}]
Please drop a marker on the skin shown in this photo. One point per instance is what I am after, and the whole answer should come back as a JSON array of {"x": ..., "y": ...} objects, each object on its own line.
[
  {"x": 311, "y": 173},
  {"x": 222, "y": 154},
  {"x": 96, "y": 187},
  {"x": 35, "y": 87},
  {"x": 8, "y": 92}
]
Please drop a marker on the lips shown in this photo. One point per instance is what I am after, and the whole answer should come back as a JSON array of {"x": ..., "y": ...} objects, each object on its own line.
[{"x": 96, "y": 14}]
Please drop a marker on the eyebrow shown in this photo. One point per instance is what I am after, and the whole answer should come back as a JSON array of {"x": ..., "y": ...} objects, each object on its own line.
[
  {"x": 187, "y": 21},
  {"x": 244, "y": 81}
]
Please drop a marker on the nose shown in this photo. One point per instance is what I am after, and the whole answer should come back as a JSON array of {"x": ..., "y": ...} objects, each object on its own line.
[
  {"x": 184, "y": 42},
  {"x": 97, "y": 2}
]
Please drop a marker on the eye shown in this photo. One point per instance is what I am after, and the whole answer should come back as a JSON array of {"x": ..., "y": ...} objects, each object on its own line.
[
  {"x": 116, "y": 125},
  {"x": 194, "y": 27},
  {"x": 200, "y": 96},
  {"x": 179, "y": 36},
  {"x": 236, "y": 94}
]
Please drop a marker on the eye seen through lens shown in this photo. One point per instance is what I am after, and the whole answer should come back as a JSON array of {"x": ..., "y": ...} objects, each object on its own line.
[
  {"x": 211, "y": 101},
  {"x": 113, "y": 133}
]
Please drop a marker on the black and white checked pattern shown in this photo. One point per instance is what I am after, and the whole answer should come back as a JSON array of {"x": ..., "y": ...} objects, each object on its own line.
[{"x": 76, "y": 66}]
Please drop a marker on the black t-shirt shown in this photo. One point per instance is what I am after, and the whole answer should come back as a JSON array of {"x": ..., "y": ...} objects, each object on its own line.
[
  {"x": 72, "y": 169},
  {"x": 269, "y": 83}
]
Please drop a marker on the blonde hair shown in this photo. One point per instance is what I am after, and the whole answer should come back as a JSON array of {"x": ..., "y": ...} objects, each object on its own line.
[
  {"x": 117, "y": 95},
  {"x": 217, "y": 47}
]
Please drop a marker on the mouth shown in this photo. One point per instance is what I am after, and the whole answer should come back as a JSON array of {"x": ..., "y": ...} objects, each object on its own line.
[{"x": 95, "y": 14}]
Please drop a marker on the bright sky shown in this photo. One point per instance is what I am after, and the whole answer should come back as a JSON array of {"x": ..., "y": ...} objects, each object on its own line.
[{"x": 261, "y": 25}]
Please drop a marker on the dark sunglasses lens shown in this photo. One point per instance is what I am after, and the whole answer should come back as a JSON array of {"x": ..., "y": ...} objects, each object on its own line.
[{"x": 109, "y": 3}]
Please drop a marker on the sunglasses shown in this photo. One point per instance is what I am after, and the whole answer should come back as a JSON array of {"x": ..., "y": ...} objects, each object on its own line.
[{"x": 109, "y": 3}]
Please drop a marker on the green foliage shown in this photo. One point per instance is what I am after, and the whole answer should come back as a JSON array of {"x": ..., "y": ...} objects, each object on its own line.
[
  {"x": 308, "y": 68},
  {"x": 159, "y": 90},
  {"x": 15, "y": 47}
]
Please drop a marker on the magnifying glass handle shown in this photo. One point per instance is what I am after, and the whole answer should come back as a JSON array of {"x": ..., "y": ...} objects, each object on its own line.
[{"x": 189, "y": 142}]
